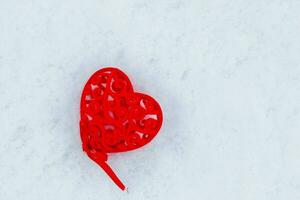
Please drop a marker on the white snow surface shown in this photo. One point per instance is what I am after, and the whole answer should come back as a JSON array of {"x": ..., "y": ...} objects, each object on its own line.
[{"x": 226, "y": 73}]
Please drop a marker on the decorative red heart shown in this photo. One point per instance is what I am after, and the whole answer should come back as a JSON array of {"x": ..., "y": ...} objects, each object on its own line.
[{"x": 114, "y": 118}]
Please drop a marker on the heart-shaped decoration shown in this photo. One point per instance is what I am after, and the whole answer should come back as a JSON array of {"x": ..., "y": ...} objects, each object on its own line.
[{"x": 114, "y": 118}]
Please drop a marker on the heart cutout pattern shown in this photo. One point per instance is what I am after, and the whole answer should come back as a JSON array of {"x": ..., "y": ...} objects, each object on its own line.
[{"x": 114, "y": 118}]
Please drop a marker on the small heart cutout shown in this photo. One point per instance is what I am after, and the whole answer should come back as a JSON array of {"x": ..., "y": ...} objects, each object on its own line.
[{"x": 114, "y": 118}]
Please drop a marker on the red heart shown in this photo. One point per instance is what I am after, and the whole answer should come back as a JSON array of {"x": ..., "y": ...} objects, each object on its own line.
[{"x": 114, "y": 118}]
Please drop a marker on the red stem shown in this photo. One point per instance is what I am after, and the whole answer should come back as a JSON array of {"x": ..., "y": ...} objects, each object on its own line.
[
  {"x": 112, "y": 175},
  {"x": 101, "y": 161}
]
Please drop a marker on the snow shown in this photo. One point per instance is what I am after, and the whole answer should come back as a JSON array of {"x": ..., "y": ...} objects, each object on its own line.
[{"x": 226, "y": 73}]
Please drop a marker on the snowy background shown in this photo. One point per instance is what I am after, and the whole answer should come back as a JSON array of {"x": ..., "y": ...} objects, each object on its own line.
[{"x": 226, "y": 73}]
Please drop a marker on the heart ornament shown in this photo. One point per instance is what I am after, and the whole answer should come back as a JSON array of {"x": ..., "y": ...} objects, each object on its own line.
[{"x": 114, "y": 118}]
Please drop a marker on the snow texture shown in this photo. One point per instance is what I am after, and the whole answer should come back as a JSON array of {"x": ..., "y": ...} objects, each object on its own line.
[{"x": 226, "y": 73}]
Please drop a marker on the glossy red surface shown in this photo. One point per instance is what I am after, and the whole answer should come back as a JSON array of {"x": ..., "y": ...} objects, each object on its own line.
[{"x": 114, "y": 118}]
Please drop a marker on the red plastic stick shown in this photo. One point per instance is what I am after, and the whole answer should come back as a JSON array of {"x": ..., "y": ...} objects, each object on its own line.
[{"x": 114, "y": 118}]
